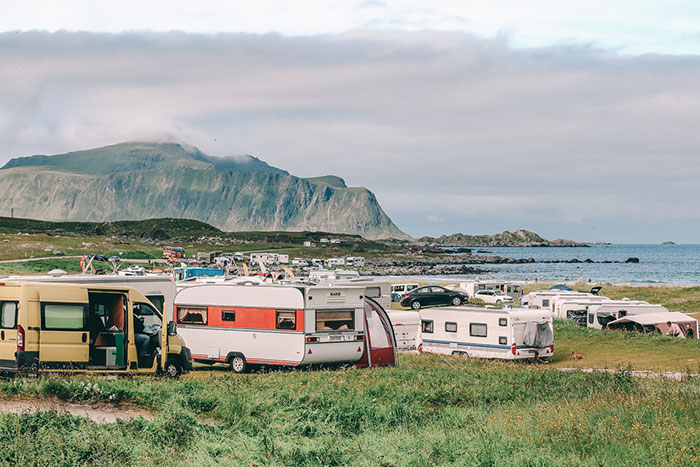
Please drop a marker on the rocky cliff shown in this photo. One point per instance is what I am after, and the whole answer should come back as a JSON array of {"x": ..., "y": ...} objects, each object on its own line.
[{"x": 134, "y": 181}]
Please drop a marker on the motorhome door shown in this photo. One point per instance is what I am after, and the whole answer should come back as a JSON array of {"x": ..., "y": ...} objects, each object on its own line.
[{"x": 63, "y": 336}]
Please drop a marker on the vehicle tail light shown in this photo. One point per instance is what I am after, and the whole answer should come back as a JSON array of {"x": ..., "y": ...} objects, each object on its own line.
[
  {"x": 512, "y": 348},
  {"x": 311, "y": 339},
  {"x": 551, "y": 348},
  {"x": 404, "y": 297},
  {"x": 20, "y": 338},
  {"x": 360, "y": 337},
  {"x": 420, "y": 348}
]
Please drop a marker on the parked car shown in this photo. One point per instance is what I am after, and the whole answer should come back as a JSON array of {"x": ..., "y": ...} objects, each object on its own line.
[
  {"x": 493, "y": 296},
  {"x": 431, "y": 295}
]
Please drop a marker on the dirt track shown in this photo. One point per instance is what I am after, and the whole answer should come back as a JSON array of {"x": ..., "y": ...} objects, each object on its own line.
[{"x": 101, "y": 414}]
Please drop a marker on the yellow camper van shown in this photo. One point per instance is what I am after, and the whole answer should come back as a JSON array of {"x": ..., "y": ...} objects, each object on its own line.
[{"x": 88, "y": 328}]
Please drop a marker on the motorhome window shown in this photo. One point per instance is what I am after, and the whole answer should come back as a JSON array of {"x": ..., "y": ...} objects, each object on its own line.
[
  {"x": 545, "y": 302},
  {"x": 335, "y": 320},
  {"x": 503, "y": 340},
  {"x": 228, "y": 315},
  {"x": 8, "y": 320},
  {"x": 503, "y": 321},
  {"x": 287, "y": 320},
  {"x": 477, "y": 329},
  {"x": 158, "y": 302},
  {"x": 373, "y": 292},
  {"x": 427, "y": 326},
  {"x": 190, "y": 315},
  {"x": 450, "y": 327},
  {"x": 63, "y": 316}
]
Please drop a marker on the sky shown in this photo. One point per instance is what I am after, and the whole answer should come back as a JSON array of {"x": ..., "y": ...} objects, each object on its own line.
[{"x": 571, "y": 119}]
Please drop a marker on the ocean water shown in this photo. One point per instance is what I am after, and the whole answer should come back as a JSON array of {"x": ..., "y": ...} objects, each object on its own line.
[{"x": 658, "y": 264}]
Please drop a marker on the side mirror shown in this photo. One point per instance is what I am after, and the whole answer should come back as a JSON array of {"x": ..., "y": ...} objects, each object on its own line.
[{"x": 172, "y": 328}]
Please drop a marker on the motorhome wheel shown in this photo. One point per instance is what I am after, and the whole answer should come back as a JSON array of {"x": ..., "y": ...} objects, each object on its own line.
[
  {"x": 238, "y": 364},
  {"x": 415, "y": 305},
  {"x": 456, "y": 301},
  {"x": 173, "y": 369},
  {"x": 498, "y": 302}
]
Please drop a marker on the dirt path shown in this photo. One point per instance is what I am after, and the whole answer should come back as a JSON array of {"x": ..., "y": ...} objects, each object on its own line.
[{"x": 100, "y": 414}]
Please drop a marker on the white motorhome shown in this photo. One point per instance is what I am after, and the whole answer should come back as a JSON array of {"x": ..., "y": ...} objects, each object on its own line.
[
  {"x": 272, "y": 325},
  {"x": 488, "y": 332},
  {"x": 599, "y": 316},
  {"x": 512, "y": 289},
  {"x": 158, "y": 289},
  {"x": 575, "y": 308}
]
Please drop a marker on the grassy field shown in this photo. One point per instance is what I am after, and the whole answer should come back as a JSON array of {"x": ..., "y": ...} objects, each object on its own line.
[{"x": 430, "y": 410}]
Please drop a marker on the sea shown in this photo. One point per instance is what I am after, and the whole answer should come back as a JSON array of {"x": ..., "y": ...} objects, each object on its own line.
[{"x": 658, "y": 264}]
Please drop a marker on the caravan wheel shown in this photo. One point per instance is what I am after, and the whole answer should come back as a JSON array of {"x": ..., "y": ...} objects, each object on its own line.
[{"x": 238, "y": 364}]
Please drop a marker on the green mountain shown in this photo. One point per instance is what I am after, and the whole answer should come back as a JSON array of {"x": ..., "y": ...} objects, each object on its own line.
[{"x": 135, "y": 181}]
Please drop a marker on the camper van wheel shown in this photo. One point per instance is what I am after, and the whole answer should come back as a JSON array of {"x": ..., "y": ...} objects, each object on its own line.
[
  {"x": 238, "y": 364},
  {"x": 415, "y": 305},
  {"x": 173, "y": 369},
  {"x": 456, "y": 301}
]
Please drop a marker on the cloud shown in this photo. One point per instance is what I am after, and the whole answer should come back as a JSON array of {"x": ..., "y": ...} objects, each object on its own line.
[{"x": 471, "y": 131}]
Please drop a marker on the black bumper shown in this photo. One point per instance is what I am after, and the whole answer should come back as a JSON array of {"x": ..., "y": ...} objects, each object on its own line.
[{"x": 186, "y": 359}]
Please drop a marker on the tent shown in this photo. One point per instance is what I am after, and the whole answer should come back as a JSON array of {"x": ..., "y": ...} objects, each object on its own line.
[
  {"x": 657, "y": 320},
  {"x": 380, "y": 343}
]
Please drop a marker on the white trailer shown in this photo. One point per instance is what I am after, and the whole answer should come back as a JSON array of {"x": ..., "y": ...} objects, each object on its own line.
[
  {"x": 513, "y": 289},
  {"x": 574, "y": 308},
  {"x": 272, "y": 325},
  {"x": 599, "y": 316},
  {"x": 545, "y": 298},
  {"x": 488, "y": 332}
]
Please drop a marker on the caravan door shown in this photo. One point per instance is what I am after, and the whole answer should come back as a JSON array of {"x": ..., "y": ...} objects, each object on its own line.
[{"x": 63, "y": 337}]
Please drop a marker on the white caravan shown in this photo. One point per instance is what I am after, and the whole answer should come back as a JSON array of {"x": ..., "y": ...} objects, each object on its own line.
[
  {"x": 512, "y": 289},
  {"x": 271, "y": 325},
  {"x": 488, "y": 332},
  {"x": 599, "y": 316},
  {"x": 545, "y": 298},
  {"x": 574, "y": 308},
  {"x": 406, "y": 324}
]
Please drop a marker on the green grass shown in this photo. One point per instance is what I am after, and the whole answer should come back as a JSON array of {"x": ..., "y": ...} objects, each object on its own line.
[{"x": 430, "y": 410}]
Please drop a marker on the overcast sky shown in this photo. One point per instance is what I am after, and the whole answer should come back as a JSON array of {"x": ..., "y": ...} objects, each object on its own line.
[{"x": 577, "y": 122}]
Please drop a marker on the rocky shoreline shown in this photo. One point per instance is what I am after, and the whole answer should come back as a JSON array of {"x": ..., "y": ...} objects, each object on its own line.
[{"x": 455, "y": 264}]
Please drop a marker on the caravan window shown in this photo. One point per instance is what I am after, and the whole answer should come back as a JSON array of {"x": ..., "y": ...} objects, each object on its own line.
[
  {"x": 477, "y": 329},
  {"x": 373, "y": 292},
  {"x": 8, "y": 315},
  {"x": 192, "y": 315},
  {"x": 335, "y": 320},
  {"x": 63, "y": 316},
  {"x": 228, "y": 315},
  {"x": 545, "y": 302},
  {"x": 503, "y": 340},
  {"x": 450, "y": 327},
  {"x": 427, "y": 326},
  {"x": 287, "y": 319},
  {"x": 503, "y": 321}
]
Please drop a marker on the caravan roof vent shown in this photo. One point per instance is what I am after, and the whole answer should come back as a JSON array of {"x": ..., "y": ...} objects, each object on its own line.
[{"x": 57, "y": 273}]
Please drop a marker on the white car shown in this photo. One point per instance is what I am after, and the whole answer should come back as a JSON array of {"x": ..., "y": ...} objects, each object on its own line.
[{"x": 493, "y": 296}]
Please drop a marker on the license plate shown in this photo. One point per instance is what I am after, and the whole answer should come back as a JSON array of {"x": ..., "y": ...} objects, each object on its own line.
[{"x": 336, "y": 338}]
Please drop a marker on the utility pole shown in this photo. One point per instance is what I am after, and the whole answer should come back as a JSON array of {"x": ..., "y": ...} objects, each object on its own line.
[{"x": 12, "y": 213}]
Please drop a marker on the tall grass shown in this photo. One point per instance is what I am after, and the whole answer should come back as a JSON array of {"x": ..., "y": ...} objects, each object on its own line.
[{"x": 425, "y": 412}]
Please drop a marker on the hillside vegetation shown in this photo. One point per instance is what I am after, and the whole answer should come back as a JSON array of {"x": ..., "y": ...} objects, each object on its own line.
[{"x": 151, "y": 180}]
